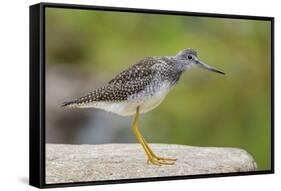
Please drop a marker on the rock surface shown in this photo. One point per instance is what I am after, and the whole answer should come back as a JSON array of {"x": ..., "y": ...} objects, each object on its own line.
[{"x": 76, "y": 163}]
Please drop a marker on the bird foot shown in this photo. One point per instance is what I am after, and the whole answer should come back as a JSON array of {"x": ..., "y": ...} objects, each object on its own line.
[{"x": 155, "y": 160}]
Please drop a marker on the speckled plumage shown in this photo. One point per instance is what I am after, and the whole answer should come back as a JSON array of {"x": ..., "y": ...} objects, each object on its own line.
[{"x": 144, "y": 84}]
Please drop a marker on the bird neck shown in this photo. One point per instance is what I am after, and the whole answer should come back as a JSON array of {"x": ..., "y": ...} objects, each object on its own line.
[
  {"x": 181, "y": 65},
  {"x": 177, "y": 67}
]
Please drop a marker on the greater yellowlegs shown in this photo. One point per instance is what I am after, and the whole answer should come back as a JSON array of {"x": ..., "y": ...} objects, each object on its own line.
[{"x": 141, "y": 88}]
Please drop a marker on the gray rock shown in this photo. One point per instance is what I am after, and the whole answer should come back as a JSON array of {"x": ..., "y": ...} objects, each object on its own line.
[{"x": 76, "y": 163}]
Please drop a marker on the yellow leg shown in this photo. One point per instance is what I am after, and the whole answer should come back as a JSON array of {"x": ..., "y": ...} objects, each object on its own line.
[
  {"x": 154, "y": 155},
  {"x": 150, "y": 155}
]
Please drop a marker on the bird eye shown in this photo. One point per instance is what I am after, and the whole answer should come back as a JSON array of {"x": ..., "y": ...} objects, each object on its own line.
[{"x": 189, "y": 57}]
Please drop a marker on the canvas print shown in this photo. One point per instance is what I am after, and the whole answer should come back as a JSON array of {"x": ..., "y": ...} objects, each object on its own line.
[{"x": 133, "y": 95}]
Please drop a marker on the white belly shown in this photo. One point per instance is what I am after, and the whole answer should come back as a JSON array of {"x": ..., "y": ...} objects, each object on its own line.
[{"x": 127, "y": 108}]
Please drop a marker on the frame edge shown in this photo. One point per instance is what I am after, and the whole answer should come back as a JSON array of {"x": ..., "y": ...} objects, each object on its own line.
[
  {"x": 37, "y": 152},
  {"x": 35, "y": 132}
]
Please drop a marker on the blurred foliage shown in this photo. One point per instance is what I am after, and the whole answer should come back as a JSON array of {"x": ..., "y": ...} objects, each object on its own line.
[{"x": 204, "y": 109}]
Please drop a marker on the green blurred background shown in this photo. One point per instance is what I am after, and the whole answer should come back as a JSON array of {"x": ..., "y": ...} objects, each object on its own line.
[{"x": 86, "y": 48}]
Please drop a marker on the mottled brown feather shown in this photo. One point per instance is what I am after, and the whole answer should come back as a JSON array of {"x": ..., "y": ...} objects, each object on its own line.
[{"x": 127, "y": 83}]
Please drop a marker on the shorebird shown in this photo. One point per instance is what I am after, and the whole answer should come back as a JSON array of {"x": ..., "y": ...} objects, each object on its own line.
[{"x": 141, "y": 88}]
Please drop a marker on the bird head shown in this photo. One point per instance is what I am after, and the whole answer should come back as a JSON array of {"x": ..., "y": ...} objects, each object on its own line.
[{"x": 189, "y": 58}]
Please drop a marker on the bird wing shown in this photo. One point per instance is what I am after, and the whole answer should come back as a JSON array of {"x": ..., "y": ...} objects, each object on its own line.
[{"x": 125, "y": 84}]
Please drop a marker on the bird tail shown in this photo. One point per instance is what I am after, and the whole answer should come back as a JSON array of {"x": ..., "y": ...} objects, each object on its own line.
[{"x": 69, "y": 104}]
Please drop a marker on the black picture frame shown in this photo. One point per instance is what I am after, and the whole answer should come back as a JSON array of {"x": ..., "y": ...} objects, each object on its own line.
[{"x": 37, "y": 94}]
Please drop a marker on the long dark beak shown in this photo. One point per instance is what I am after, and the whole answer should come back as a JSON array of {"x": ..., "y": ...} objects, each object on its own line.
[{"x": 205, "y": 66}]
